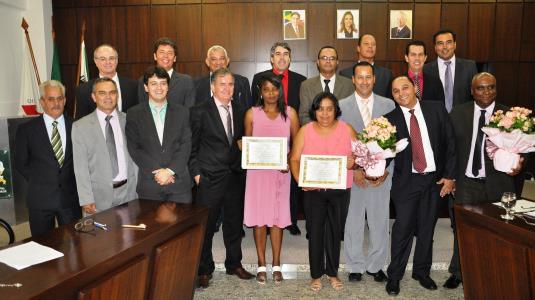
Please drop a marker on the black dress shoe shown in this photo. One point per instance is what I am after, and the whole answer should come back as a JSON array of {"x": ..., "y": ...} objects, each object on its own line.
[
  {"x": 294, "y": 229},
  {"x": 452, "y": 282},
  {"x": 241, "y": 273},
  {"x": 392, "y": 287},
  {"x": 379, "y": 276},
  {"x": 354, "y": 277},
  {"x": 204, "y": 280},
  {"x": 425, "y": 281}
]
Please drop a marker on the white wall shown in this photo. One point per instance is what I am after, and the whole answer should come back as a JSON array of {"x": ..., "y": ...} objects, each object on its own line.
[{"x": 38, "y": 15}]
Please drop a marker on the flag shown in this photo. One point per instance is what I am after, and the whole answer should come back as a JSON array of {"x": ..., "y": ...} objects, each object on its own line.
[
  {"x": 56, "y": 72},
  {"x": 83, "y": 69},
  {"x": 29, "y": 89}
]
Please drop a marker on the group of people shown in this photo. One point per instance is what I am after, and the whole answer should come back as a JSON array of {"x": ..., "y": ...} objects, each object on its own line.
[{"x": 182, "y": 135}]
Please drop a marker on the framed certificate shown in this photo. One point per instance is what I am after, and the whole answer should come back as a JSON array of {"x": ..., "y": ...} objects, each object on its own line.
[
  {"x": 264, "y": 153},
  {"x": 323, "y": 171}
]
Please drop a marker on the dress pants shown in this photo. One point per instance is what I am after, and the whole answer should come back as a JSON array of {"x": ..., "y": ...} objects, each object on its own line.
[
  {"x": 325, "y": 218},
  {"x": 43, "y": 220},
  {"x": 469, "y": 191},
  {"x": 224, "y": 190},
  {"x": 373, "y": 203},
  {"x": 417, "y": 208},
  {"x": 295, "y": 194}
]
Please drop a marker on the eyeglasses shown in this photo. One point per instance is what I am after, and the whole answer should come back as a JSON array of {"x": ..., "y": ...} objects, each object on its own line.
[
  {"x": 328, "y": 58},
  {"x": 105, "y": 59},
  {"x": 85, "y": 225}
]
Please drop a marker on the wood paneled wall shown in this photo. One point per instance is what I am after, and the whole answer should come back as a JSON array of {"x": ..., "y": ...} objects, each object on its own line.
[{"x": 500, "y": 32}]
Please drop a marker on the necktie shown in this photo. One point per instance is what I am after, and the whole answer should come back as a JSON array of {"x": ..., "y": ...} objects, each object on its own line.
[
  {"x": 417, "y": 86},
  {"x": 112, "y": 149},
  {"x": 229, "y": 124},
  {"x": 448, "y": 86},
  {"x": 476, "y": 159},
  {"x": 56, "y": 144},
  {"x": 327, "y": 89},
  {"x": 365, "y": 112},
  {"x": 418, "y": 154}
]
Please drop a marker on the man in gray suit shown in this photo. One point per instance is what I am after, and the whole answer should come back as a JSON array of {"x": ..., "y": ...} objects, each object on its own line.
[
  {"x": 369, "y": 196},
  {"x": 326, "y": 81},
  {"x": 455, "y": 73},
  {"x": 181, "y": 88},
  {"x": 366, "y": 49},
  {"x": 105, "y": 173}
]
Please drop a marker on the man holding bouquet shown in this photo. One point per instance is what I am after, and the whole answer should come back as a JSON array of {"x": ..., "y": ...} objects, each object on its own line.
[
  {"x": 423, "y": 173},
  {"x": 477, "y": 181},
  {"x": 369, "y": 195}
]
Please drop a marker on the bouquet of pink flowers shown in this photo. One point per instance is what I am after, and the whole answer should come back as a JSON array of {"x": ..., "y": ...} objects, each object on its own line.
[
  {"x": 509, "y": 134},
  {"x": 375, "y": 144}
]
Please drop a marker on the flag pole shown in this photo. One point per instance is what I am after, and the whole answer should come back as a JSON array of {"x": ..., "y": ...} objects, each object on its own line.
[
  {"x": 78, "y": 72},
  {"x": 25, "y": 26}
]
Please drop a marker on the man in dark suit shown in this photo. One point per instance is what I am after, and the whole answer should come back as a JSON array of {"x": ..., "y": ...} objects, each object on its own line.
[
  {"x": 43, "y": 155},
  {"x": 217, "y": 58},
  {"x": 366, "y": 49},
  {"x": 181, "y": 88},
  {"x": 455, "y": 73},
  {"x": 401, "y": 31},
  {"x": 215, "y": 164},
  {"x": 294, "y": 29},
  {"x": 326, "y": 81},
  {"x": 106, "y": 60},
  {"x": 159, "y": 142},
  {"x": 476, "y": 179},
  {"x": 281, "y": 56},
  {"x": 423, "y": 173},
  {"x": 428, "y": 87}
]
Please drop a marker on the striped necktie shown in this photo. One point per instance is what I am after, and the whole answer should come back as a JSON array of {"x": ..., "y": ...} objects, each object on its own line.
[
  {"x": 365, "y": 111},
  {"x": 56, "y": 144}
]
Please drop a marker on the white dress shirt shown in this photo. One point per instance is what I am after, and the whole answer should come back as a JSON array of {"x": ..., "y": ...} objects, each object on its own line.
[
  {"x": 442, "y": 70},
  {"x": 223, "y": 113},
  {"x": 119, "y": 142},
  {"x": 360, "y": 104},
  {"x": 475, "y": 124},
  {"x": 331, "y": 83},
  {"x": 61, "y": 129},
  {"x": 428, "y": 150}
]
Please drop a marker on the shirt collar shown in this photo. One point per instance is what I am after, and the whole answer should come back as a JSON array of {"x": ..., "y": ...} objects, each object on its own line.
[
  {"x": 154, "y": 106},
  {"x": 285, "y": 73},
  {"x": 488, "y": 109},
  {"x": 48, "y": 119},
  {"x": 102, "y": 115},
  {"x": 333, "y": 78},
  {"x": 416, "y": 107},
  {"x": 219, "y": 103},
  {"x": 170, "y": 72},
  {"x": 441, "y": 61}
]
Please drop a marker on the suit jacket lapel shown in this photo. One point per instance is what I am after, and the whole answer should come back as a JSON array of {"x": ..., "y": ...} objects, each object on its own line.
[
  {"x": 167, "y": 124},
  {"x": 43, "y": 135},
  {"x": 429, "y": 122},
  {"x": 149, "y": 120},
  {"x": 355, "y": 111},
  {"x": 214, "y": 115}
]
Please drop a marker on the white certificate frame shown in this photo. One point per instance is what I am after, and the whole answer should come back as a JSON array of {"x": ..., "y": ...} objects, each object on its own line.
[
  {"x": 333, "y": 173},
  {"x": 253, "y": 149}
]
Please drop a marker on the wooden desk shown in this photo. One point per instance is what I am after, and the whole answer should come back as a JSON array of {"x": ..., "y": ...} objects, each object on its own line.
[
  {"x": 497, "y": 257},
  {"x": 157, "y": 263}
]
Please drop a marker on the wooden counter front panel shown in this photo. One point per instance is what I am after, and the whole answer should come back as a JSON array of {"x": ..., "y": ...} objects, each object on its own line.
[
  {"x": 483, "y": 256},
  {"x": 175, "y": 264},
  {"x": 128, "y": 282}
]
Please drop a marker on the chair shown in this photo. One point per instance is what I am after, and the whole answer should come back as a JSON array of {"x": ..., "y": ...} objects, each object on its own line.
[{"x": 9, "y": 230}]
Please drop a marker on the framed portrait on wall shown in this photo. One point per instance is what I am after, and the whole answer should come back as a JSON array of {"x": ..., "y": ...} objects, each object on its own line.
[
  {"x": 400, "y": 24},
  {"x": 294, "y": 24},
  {"x": 347, "y": 24}
]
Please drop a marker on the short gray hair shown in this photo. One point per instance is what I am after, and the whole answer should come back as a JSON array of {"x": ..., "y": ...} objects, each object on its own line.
[
  {"x": 105, "y": 46},
  {"x": 216, "y": 48},
  {"x": 220, "y": 73},
  {"x": 482, "y": 74},
  {"x": 280, "y": 44},
  {"x": 51, "y": 83}
]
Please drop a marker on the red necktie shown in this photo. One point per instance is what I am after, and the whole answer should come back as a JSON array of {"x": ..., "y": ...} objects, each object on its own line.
[{"x": 418, "y": 154}]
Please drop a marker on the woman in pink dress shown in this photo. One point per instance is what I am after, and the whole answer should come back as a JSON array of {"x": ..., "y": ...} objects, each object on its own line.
[
  {"x": 325, "y": 209},
  {"x": 267, "y": 192}
]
